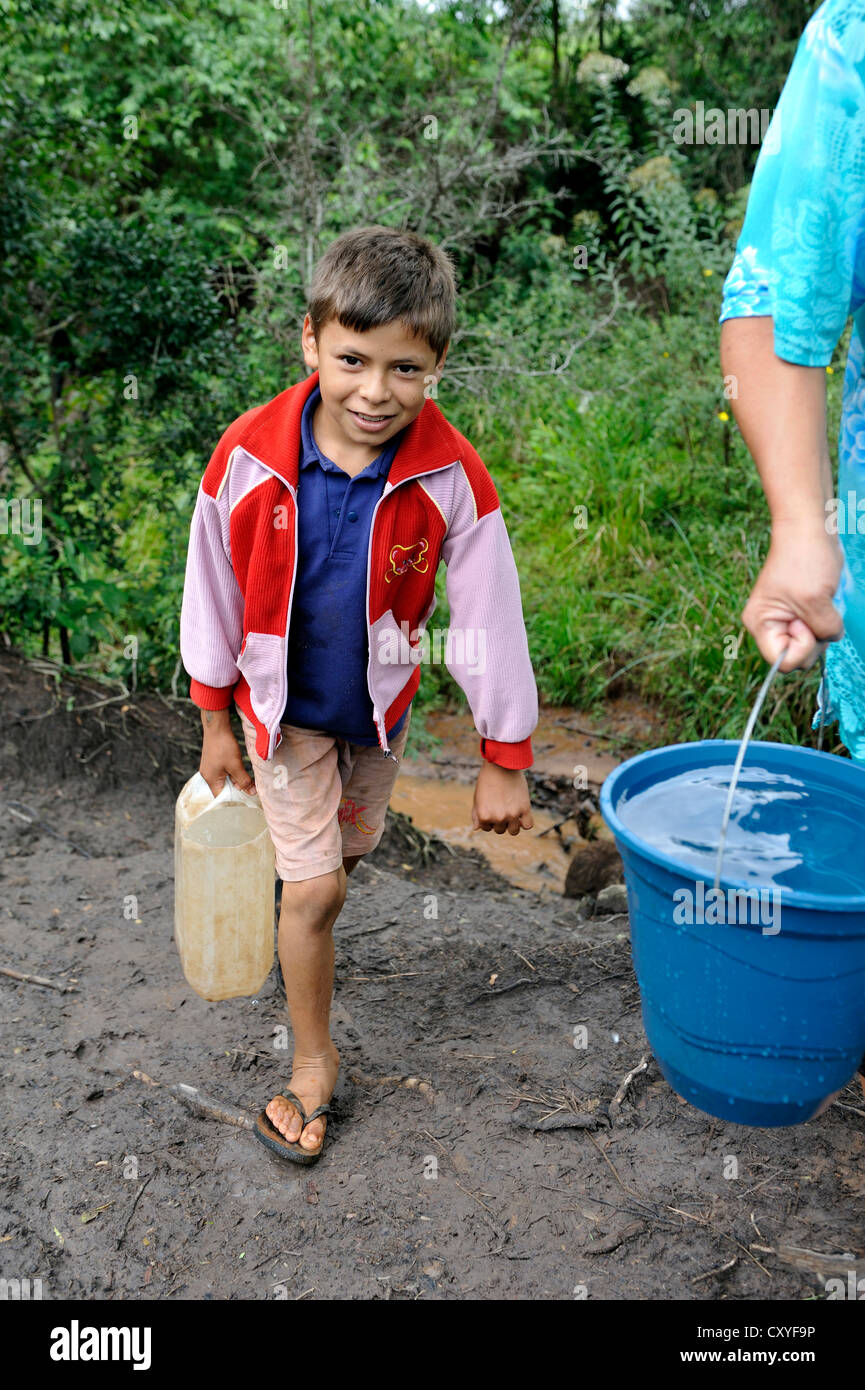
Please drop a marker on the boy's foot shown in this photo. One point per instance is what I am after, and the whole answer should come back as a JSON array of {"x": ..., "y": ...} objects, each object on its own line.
[{"x": 313, "y": 1083}]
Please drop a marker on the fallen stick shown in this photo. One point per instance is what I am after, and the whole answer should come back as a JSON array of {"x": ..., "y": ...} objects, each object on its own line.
[
  {"x": 570, "y": 1120},
  {"x": 725, "y": 1235},
  {"x": 96, "y": 752},
  {"x": 607, "y": 1244},
  {"x": 76, "y": 709},
  {"x": 193, "y": 1099},
  {"x": 612, "y": 1167},
  {"x": 33, "y": 819},
  {"x": 36, "y": 980},
  {"x": 722, "y": 1269},
  {"x": 615, "y": 1103},
  {"x": 132, "y": 1211},
  {"x": 812, "y": 1260},
  {"x": 401, "y": 975},
  {"x": 855, "y": 1109},
  {"x": 557, "y": 826}
]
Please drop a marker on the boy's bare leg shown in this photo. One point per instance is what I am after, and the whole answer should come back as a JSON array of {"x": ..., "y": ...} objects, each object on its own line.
[{"x": 307, "y": 914}]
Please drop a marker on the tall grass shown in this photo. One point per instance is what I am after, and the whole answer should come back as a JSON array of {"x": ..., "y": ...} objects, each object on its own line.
[{"x": 641, "y": 592}]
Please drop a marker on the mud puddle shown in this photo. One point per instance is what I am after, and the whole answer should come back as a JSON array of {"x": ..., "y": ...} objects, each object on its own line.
[{"x": 436, "y": 788}]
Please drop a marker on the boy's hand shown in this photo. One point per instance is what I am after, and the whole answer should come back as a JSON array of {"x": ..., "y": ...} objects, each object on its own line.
[
  {"x": 220, "y": 754},
  {"x": 501, "y": 800}
]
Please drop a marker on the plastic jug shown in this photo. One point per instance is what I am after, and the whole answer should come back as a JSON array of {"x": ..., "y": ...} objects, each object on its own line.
[{"x": 223, "y": 890}]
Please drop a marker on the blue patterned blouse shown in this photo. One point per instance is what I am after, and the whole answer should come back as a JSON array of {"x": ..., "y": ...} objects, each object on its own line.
[{"x": 801, "y": 259}]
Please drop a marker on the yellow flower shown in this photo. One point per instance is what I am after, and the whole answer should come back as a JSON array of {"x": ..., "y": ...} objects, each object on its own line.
[
  {"x": 830, "y": 371},
  {"x": 722, "y": 415},
  {"x": 666, "y": 354},
  {"x": 708, "y": 271}
]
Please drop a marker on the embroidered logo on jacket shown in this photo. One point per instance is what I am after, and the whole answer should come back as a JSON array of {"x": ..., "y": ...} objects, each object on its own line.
[{"x": 401, "y": 556}]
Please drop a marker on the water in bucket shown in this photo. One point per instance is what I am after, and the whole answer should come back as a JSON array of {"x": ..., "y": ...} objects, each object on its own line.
[
  {"x": 753, "y": 994},
  {"x": 780, "y": 832}
]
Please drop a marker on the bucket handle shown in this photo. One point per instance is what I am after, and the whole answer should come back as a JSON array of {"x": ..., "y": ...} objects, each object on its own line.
[{"x": 746, "y": 737}]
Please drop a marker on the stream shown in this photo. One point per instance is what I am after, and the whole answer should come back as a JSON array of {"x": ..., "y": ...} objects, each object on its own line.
[{"x": 436, "y": 788}]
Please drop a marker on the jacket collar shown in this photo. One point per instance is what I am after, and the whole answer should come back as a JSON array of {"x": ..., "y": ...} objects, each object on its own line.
[{"x": 273, "y": 437}]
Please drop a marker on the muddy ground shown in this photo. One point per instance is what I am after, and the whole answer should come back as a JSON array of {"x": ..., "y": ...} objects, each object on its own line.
[{"x": 476, "y": 1153}]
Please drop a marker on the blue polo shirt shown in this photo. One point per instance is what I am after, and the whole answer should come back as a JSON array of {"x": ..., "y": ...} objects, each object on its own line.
[{"x": 328, "y": 649}]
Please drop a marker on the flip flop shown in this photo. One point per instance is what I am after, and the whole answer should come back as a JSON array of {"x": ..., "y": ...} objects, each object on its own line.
[{"x": 271, "y": 1137}]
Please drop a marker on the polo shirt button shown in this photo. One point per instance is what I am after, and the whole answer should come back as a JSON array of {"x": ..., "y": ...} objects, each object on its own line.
[{"x": 352, "y": 516}]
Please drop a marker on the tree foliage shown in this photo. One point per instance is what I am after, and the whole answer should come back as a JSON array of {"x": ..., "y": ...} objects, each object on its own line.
[{"x": 171, "y": 170}]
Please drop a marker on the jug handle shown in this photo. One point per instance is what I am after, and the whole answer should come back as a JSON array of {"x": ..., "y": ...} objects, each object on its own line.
[
  {"x": 231, "y": 793},
  {"x": 746, "y": 737}
]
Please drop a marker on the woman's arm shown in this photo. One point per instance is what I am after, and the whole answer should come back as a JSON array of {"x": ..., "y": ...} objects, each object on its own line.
[{"x": 780, "y": 408}]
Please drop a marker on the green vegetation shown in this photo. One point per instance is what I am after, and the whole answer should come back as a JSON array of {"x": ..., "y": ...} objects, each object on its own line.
[{"x": 169, "y": 173}]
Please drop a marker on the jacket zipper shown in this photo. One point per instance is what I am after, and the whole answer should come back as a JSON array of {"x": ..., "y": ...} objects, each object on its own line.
[
  {"x": 378, "y": 715},
  {"x": 284, "y": 673}
]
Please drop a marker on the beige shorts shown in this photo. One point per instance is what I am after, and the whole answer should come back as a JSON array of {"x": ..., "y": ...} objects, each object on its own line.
[{"x": 323, "y": 797}]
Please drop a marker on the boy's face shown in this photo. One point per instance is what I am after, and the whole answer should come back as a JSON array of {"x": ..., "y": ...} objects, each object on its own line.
[{"x": 372, "y": 384}]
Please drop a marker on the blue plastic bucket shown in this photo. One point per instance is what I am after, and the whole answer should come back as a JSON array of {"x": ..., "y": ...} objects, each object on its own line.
[{"x": 750, "y": 1026}]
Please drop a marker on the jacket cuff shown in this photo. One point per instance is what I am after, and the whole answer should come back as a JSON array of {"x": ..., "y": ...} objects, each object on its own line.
[
  {"x": 210, "y": 696},
  {"x": 511, "y": 755}
]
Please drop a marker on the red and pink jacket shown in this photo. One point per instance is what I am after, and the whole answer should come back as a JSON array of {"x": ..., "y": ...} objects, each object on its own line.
[{"x": 439, "y": 503}]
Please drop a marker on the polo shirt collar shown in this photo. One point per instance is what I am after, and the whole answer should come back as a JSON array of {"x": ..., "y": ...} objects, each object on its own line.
[{"x": 310, "y": 452}]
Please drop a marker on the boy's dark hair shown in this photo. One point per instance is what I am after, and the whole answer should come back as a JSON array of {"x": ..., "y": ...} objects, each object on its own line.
[{"x": 376, "y": 275}]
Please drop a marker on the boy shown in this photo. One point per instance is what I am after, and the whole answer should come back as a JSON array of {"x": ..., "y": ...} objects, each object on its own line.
[{"x": 317, "y": 532}]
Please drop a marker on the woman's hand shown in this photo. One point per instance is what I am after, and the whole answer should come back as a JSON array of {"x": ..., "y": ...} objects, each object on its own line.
[
  {"x": 501, "y": 801},
  {"x": 791, "y": 602}
]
